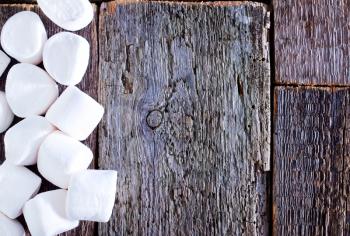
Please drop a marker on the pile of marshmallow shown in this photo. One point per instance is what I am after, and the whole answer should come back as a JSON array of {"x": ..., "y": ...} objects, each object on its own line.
[{"x": 53, "y": 127}]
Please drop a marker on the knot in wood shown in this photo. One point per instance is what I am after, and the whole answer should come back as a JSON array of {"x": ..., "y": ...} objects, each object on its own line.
[{"x": 154, "y": 119}]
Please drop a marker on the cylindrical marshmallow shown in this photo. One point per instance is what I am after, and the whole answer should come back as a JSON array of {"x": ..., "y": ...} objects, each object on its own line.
[
  {"x": 75, "y": 113},
  {"x": 91, "y": 195},
  {"x": 45, "y": 214},
  {"x": 10, "y": 227},
  {"x": 17, "y": 184},
  {"x": 66, "y": 57},
  {"x": 67, "y": 14},
  {"x": 60, "y": 156},
  {"x": 23, "y": 37},
  {"x": 30, "y": 90},
  {"x": 22, "y": 141},
  {"x": 4, "y": 62},
  {"x": 6, "y": 115}
]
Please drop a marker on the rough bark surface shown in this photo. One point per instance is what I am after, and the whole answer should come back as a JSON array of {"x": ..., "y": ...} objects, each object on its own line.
[
  {"x": 89, "y": 85},
  {"x": 312, "y": 42},
  {"x": 311, "y": 146},
  {"x": 187, "y": 122}
]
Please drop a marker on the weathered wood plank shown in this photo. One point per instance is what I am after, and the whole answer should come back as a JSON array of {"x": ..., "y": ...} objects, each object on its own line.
[
  {"x": 310, "y": 160},
  {"x": 312, "y": 42},
  {"x": 186, "y": 88},
  {"x": 89, "y": 84}
]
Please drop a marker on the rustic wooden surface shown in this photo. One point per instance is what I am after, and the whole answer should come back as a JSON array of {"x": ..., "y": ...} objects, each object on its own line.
[
  {"x": 187, "y": 123},
  {"x": 311, "y": 126},
  {"x": 311, "y": 141},
  {"x": 89, "y": 85},
  {"x": 312, "y": 42}
]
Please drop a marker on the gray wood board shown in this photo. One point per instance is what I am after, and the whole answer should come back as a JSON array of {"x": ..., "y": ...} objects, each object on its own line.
[
  {"x": 311, "y": 163},
  {"x": 186, "y": 88},
  {"x": 312, "y": 42}
]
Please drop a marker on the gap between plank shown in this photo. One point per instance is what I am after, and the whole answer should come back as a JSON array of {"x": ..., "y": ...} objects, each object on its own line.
[
  {"x": 293, "y": 85},
  {"x": 269, "y": 186}
]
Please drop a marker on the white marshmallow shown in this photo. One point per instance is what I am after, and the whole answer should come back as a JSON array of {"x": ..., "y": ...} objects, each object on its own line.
[
  {"x": 18, "y": 185},
  {"x": 10, "y": 227},
  {"x": 66, "y": 57},
  {"x": 22, "y": 141},
  {"x": 23, "y": 37},
  {"x": 91, "y": 195},
  {"x": 61, "y": 156},
  {"x": 4, "y": 62},
  {"x": 30, "y": 90},
  {"x": 67, "y": 14},
  {"x": 45, "y": 214},
  {"x": 6, "y": 115},
  {"x": 75, "y": 113}
]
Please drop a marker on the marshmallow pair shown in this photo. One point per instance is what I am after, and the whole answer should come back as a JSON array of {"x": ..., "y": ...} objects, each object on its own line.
[
  {"x": 61, "y": 156},
  {"x": 31, "y": 90},
  {"x": 65, "y": 55},
  {"x": 45, "y": 214},
  {"x": 75, "y": 113},
  {"x": 90, "y": 196},
  {"x": 23, "y": 35}
]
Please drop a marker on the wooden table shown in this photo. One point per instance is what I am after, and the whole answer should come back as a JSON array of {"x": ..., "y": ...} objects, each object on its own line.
[
  {"x": 222, "y": 118},
  {"x": 186, "y": 89}
]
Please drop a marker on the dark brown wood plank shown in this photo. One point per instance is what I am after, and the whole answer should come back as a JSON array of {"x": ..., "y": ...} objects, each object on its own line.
[
  {"x": 89, "y": 85},
  {"x": 312, "y": 42},
  {"x": 309, "y": 161},
  {"x": 186, "y": 88}
]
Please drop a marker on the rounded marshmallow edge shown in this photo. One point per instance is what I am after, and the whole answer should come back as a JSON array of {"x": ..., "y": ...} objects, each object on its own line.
[
  {"x": 6, "y": 114},
  {"x": 67, "y": 14},
  {"x": 10, "y": 227},
  {"x": 91, "y": 195},
  {"x": 60, "y": 156},
  {"x": 66, "y": 57},
  {"x": 22, "y": 141},
  {"x": 45, "y": 214},
  {"x": 75, "y": 113},
  {"x": 29, "y": 90},
  {"x": 12, "y": 200},
  {"x": 23, "y": 37}
]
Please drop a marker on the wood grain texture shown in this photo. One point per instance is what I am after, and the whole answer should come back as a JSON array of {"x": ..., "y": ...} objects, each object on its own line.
[
  {"x": 187, "y": 123},
  {"x": 89, "y": 85},
  {"x": 312, "y": 42},
  {"x": 311, "y": 143}
]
